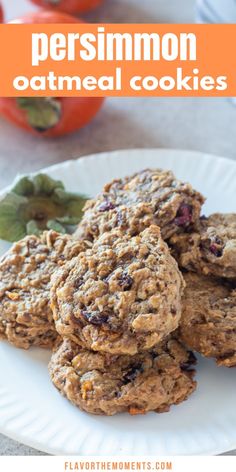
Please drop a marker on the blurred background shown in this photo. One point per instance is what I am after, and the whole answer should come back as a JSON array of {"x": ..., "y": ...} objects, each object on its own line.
[
  {"x": 188, "y": 123},
  {"x": 184, "y": 123}
]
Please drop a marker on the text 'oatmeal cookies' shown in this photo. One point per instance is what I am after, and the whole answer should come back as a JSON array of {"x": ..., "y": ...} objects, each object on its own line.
[
  {"x": 209, "y": 318},
  {"x": 25, "y": 275},
  {"x": 134, "y": 203},
  {"x": 121, "y": 296},
  {"x": 103, "y": 384},
  {"x": 209, "y": 249}
]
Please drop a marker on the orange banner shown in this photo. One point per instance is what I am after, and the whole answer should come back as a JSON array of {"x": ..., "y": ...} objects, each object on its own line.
[{"x": 117, "y": 60}]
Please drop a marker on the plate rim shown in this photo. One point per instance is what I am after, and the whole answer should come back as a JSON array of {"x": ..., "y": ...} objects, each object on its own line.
[{"x": 103, "y": 154}]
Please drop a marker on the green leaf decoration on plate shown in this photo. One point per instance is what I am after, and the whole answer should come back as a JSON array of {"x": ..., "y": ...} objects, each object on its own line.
[
  {"x": 36, "y": 204},
  {"x": 56, "y": 226},
  {"x": 45, "y": 185},
  {"x": 32, "y": 228},
  {"x": 24, "y": 187}
]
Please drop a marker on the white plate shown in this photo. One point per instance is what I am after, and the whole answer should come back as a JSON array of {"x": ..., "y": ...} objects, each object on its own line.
[{"x": 34, "y": 413}]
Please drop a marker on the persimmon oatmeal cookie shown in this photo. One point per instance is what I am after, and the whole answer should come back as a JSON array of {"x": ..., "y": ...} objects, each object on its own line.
[
  {"x": 121, "y": 296},
  {"x": 134, "y": 203},
  {"x": 210, "y": 248},
  {"x": 104, "y": 384},
  {"x": 25, "y": 274},
  {"x": 208, "y": 323}
]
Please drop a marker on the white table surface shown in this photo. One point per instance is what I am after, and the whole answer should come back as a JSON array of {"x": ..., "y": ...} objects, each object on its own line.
[{"x": 189, "y": 123}]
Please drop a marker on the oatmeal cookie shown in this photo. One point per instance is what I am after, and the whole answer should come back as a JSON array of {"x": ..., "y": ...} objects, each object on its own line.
[
  {"x": 121, "y": 296},
  {"x": 211, "y": 248},
  {"x": 104, "y": 384},
  {"x": 208, "y": 323},
  {"x": 25, "y": 274},
  {"x": 136, "y": 202}
]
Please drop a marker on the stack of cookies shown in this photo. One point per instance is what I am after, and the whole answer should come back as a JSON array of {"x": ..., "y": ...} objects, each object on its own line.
[
  {"x": 112, "y": 302},
  {"x": 115, "y": 306}
]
